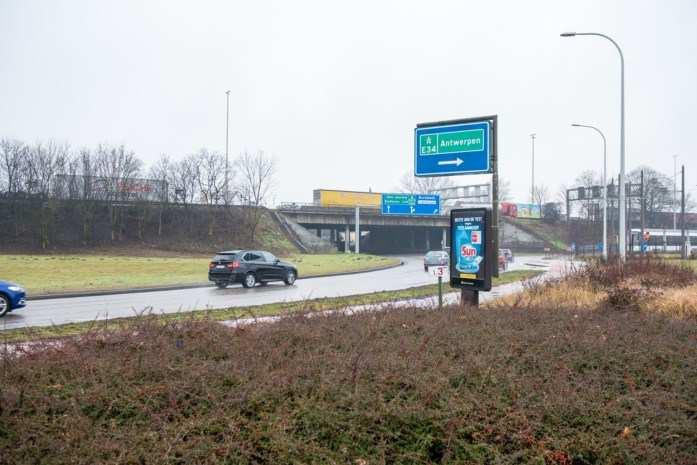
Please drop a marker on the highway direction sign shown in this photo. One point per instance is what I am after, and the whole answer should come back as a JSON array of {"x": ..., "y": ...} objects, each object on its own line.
[
  {"x": 410, "y": 204},
  {"x": 452, "y": 149}
]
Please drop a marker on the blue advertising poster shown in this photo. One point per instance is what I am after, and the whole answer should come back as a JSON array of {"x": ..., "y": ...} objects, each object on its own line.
[
  {"x": 468, "y": 238},
  {"x": 410, "y": 204},
  {"x": 469, "y": 255}
]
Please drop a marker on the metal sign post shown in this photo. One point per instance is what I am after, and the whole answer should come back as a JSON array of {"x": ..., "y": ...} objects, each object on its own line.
[
  {"x": 460, "y": 147},
  {"x": 439, "y": 271}
]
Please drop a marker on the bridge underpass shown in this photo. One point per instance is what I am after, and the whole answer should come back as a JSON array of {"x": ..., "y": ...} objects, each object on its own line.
[{"x": 380, "y": 234}]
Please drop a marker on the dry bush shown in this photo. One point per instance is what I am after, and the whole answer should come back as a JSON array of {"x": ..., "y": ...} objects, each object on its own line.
[
  {"x": 562, "y": 294},
  {"x": 397, "y": 387},
  {"x": 681, "y": 302},
  {"x": 650, "y": 271}
]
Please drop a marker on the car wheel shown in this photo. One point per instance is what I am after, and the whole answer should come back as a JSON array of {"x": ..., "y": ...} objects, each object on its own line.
[
  {"x": 221, "y": 285},
  {"x": 4, "y": 305},
  {"x": 426, "y": 268},
  {"x": 249, "y": 281},
  {"x": 290, "y": 278}
]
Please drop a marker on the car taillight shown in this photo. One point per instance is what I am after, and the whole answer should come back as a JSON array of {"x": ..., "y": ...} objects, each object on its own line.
[
  {"x": 235, "y": 264},
  {"x": 211, "y": 265}
]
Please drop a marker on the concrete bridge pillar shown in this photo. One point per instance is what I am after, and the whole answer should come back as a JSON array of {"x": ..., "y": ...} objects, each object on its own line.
[
  {"x": 347, "y": 239},
  {"x": 428, "y": 240},
  {"x": 444, "y": 239}
]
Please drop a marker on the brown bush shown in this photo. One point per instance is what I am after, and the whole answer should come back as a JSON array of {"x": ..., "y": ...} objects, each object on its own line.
[
  {"x": 649, "y": 271},
  {"x": 399, "y": 387}
]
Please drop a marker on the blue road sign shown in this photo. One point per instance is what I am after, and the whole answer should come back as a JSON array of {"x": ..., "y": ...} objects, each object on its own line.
[
  {"x": 410, "y": 204},
  {"x": 452, "y": 149}
]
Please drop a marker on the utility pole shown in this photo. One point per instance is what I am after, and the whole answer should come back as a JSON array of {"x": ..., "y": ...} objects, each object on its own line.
[
  {"x": 682, "y": 214},
  {"x": 532, "y": 185},
  {"x": 227, "y": 143},
  {"x": 675, "y": 191},
  {"x": 358, "y": 230},
  {"x": 643, "y": 211}
]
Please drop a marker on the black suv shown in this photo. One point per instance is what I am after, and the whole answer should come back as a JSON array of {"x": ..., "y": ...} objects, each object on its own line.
[{"x": 249, "y": 267}]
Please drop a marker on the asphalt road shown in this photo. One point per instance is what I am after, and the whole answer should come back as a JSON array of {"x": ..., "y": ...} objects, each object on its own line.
[{"x": 79, "y": 309}]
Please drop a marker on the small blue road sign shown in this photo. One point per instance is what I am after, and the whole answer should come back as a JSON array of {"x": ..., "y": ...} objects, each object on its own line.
[
  {"x": 452, "y": 149},
  {"x": 410, "y": 204}
]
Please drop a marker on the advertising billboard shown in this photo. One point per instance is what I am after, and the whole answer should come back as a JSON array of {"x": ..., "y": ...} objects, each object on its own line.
[
  {"x": 471, "y": 259},
  {"x": 528, "y": 210}
]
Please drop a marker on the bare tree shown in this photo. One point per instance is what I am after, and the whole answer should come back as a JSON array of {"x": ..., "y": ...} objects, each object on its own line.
[
  {"x": 12, "y": 159},
  {"x": 562, "y": 197},
  {"x": 417, "y": 185},
  {"x": 44, "y": 161},
  {"x": 211, "y": 179},
  {"x": 587, "y": 179},
  {"x": 255, "y": 174},
  {"x": 504, "y": 190},
  {"x": 541, "y": 195},
  {"x": 116, "y": 169},
  {"x": 163, "y": 170},
  {"x": 658, "y": 192},
  {"x": 185, "y": 182}
]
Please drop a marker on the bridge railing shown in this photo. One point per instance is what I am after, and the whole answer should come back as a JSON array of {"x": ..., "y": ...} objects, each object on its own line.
[{"x": 311, "y": 207}]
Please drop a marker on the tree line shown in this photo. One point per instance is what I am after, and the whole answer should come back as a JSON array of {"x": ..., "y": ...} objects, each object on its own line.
[{"x": 46, "y": 188}]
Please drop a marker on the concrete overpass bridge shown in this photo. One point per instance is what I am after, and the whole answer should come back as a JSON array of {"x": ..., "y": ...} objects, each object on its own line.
[{"x": 378, "y": 233}]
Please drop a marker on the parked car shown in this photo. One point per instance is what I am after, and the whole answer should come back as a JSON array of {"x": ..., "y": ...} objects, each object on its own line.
[
  {"x": 12, "y": 297},
  {"x": 436, "y": 258},
  {"x": 249, "y": 267},
  {"x": 503, "y": 262},
  {"x": 509, "y": 255}
]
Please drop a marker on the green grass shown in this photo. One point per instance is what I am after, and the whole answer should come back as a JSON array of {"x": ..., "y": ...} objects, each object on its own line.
[
  {"x": 555, "y": 234},
  {"x": 48, "y": 274},
  {"x": 315, "y": 305}
]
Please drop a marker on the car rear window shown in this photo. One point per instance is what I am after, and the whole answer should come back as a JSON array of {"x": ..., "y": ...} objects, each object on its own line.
[{"x": 224, "y": 257}]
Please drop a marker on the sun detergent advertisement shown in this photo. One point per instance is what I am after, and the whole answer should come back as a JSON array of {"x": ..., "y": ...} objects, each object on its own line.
[{"x": 469, "y": 234}]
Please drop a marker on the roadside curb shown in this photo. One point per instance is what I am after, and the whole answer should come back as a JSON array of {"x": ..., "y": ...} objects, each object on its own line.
[{"x": 70, "y": 295}]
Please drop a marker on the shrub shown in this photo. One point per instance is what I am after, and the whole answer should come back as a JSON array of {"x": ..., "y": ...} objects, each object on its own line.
[{"x": 400, "y": 387}]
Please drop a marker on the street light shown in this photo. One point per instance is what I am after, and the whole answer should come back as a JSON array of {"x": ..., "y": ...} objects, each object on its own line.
[
  {"x": 532, "y": 185},
  {"x": 227, "y": 139},
  {"x": 604, "y": 183},
  {"x": 622, "y": 199}
]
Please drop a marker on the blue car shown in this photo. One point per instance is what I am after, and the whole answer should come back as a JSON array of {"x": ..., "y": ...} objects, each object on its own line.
[{"x": 12, "y": 297}]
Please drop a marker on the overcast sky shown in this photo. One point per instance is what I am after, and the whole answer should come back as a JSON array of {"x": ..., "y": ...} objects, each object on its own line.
[{"x": 333, "y": 90}]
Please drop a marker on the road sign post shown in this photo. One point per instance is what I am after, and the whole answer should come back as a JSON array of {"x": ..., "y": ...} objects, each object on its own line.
[{"x": 439, "y": 271}]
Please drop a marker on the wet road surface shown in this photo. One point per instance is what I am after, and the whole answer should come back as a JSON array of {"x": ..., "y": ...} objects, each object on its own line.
[{"x": 80, "y": 309}]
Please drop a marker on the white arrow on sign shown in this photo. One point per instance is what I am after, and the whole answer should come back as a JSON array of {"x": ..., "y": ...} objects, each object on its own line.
[{"x": 457, "y": 162}]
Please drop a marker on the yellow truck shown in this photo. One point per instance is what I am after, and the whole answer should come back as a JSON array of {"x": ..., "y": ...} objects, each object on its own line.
[{"x": 334, "y": 198}]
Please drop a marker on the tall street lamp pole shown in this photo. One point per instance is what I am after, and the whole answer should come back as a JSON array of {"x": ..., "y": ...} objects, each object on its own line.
[
  {"x": 532, "y": 184},
  {"x": 622, "y": 199},
  {"x": 604, "y": 183},
  {"x": 675, "y": 191},
  {"x": 227, "y": 141}
]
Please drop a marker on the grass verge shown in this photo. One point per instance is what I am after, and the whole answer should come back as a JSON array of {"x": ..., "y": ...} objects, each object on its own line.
[
  {"x": 531, "y": 383},
  {"x": 53, "y": 274},
  {"x": 315, "y": 305}
]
